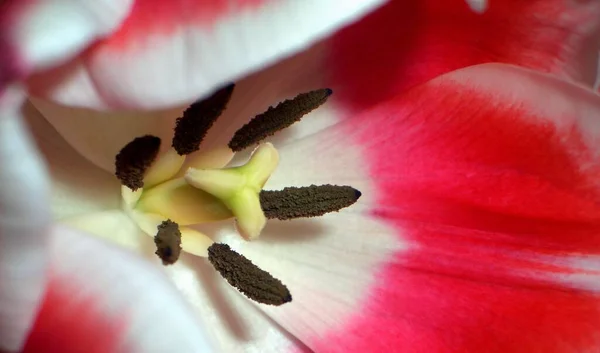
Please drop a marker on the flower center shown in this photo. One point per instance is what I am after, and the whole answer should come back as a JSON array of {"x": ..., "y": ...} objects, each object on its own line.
[{"x": 168, "y": 194}]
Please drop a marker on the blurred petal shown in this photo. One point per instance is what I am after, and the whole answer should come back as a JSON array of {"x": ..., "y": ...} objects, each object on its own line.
[
  {"x": 478, "y": 6},
  {"x": 433, "y": 37},
  {"x": 24, "y": 223},
  {"x": 128, "y": 306},
  {"x": 190, "y": 48},
  {"x": 78, "y": 187},
  {"x": 37, "y": 34},
  {"x": 490, "y": 175},
  {"x": 114, "y": 226}
]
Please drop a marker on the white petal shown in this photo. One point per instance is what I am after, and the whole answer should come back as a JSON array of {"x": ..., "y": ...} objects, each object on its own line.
[
  {"x": 99, "y": 136},
  {"x": 230, "y": 319},
  {"x": 116, "y": 227},
  {"x": 42, "y": 33},
  {"x": 78, "y": 187},
  {"x": 24, "y": 222},
  {"x": 187, "y": 50}
]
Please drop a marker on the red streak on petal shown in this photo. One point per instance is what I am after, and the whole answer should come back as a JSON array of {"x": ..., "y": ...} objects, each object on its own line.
[
  {"x": 432, "y": 313},
  {"x": 488, "y": 193},
  {"x": 71, "y": 321},
  {"x": 406, "y": 43},
  {"x": 159, "y": 18}
]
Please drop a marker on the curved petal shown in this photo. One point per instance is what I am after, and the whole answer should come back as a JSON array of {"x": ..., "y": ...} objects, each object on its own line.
[
  {"x": 433, "y": 37},
  {"x": 24, "y": 222},
  {"x": 78, "y": 187},
  {"x": 98, "y": 136},
  {"x": 190, "y": 48},
  {"x": 37, "y": 34},
  {"x": 102, "y": 299},
  {"x": 490, "y": 176}
]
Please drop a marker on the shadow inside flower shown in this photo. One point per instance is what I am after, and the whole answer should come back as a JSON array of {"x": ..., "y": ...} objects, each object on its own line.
[{"x": 293, "y": 231}]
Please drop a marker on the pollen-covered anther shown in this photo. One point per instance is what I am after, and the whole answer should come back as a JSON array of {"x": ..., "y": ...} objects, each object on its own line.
[
  {"x": 168, "y": 242},
  {"x": 249, "y": 279},
  {"x": 192, "y": 127},
  {"x": 310, "y": 201},
  {"x": 134, "y": 159},
  {"x": 277, "y": 118}
]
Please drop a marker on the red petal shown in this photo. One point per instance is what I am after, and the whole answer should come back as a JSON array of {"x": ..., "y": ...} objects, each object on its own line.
[
  {"x": 77, "y": 327},
  {"x": 406, "y": 43},
  {"x": 491, "y": 175},
  {"x": 158, "y": 17}
]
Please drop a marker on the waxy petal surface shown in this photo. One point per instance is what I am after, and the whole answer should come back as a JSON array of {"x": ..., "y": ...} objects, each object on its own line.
[{"x": 490, "y": 175}]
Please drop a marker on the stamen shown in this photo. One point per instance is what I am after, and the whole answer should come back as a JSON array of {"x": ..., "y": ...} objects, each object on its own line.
[
  {"x": 277, "y": 118},
  {"x": 134, "y": 159},
  {"x": 242, "y": 274},
  {"x": 192, "y": 127},
  {"x": 311, "y": 201},
  {"x": 168, "y": 242}
]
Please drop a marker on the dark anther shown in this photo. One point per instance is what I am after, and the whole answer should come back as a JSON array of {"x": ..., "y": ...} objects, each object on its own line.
[
  {"x": 134, "y": 159},
  {"x": 192, "y": 127},
  {"x": 168, "y": 242},
  {"x": 277, "y": 118},
  {"x": 242, "y": 274},
  {"x": 310, "y": 201}
]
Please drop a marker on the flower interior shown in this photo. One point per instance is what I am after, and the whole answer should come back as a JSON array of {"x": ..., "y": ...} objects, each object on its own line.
[{"x": 166, "y": 194}]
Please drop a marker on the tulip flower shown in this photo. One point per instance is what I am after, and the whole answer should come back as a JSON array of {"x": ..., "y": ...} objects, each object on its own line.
[{"x": 468, "y": 139}]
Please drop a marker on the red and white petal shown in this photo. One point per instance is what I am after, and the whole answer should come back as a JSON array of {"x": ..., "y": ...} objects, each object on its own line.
[
  {"x": 36, "y": 34},
  {"x": 103, "y": 299},
  {"x": 489, "y": 175},
  {"x": 166, "y": 54},
  {"x": 433, "y": 37},
  {"x": 24, "y": 222},
  {"x": 327, "y": 263}
]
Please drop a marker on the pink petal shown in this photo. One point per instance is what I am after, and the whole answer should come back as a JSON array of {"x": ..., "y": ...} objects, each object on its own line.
[
  {"x": 491, "y": 175},
  {"x": 170, "y": 53},
  {"x": 405, "y": 43},
  {"x": 24, "y": 220},
  {"x": 37, "y": 34},
  {"x": 101, "y": 299}
]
